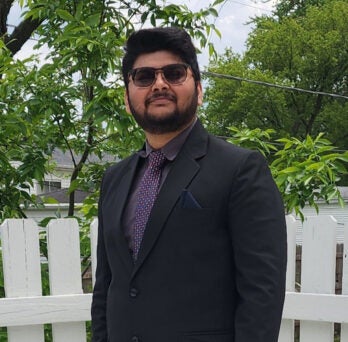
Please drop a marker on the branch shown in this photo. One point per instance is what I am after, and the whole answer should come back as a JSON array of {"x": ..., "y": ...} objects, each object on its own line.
[
  {"x": 79, "y": 166},
  {"x": 5, "y": 7},
  {"x": 21, "y": 34},
  {"x": 315, "y": 113},
  {"x": 65, "y": 140}
]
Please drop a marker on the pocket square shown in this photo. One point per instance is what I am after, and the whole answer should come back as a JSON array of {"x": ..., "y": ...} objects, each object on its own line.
[{"x": 188, "y": 201}]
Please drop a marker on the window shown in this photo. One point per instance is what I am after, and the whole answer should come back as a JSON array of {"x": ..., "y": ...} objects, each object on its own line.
[{"x": 49, "y": 186}]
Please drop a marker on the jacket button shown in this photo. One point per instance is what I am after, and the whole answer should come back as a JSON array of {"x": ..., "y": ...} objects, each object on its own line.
[
  {"x": 133, "y": 292},
  {"x": 135, "y": 339}
]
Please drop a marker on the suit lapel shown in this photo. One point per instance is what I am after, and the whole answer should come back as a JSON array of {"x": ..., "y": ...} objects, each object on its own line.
[
  {"x": 121, "y": 196},
  {"x": 184, "y": 169}
]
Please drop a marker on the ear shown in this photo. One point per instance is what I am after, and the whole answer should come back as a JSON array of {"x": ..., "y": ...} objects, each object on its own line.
[
  {"x": 126, "y": 101},
  {"x": 199, "y": 94}
]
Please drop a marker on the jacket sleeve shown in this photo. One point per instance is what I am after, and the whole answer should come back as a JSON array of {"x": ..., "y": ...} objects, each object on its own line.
[
  {"x": 102, "y": 281},
  {"x": 258, "y": 234}
]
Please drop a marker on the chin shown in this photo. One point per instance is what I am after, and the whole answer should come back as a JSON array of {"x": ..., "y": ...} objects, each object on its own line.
[{"x": 160, "y": 117}]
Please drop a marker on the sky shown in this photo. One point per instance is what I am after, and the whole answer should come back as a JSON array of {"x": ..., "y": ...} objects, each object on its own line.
[{"x": 231, "y": 22}]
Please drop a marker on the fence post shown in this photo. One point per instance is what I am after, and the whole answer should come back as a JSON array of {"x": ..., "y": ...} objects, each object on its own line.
[
  {"x": 344, "y": 327},
  {"x": 318, "y": 271},
  {"x": 65, "y": 273},
  {"x": 286, "y": 333},
  {"x": 22, "y": 274},
  {"x": 94, "y": 239}
]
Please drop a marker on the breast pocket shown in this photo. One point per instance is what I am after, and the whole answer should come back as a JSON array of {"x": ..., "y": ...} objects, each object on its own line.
[
  {"x": 193, "y": 226},
  {"x": 194, "y": 218}
]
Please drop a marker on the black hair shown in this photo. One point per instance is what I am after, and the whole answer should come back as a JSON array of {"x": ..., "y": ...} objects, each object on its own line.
[{"x": 172, "y": 39}]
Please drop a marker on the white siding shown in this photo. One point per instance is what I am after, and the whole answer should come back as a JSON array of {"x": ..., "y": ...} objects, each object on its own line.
[{"x": 335, "y": 210}]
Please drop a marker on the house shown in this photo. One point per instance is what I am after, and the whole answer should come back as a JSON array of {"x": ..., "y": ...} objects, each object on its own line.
[
  {"x": 334, "y": 209},
  {"x": 54, "y": 191}
]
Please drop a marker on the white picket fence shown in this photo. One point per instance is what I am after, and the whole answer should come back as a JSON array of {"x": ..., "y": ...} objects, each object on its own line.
[{"x": 24, "y": 311}]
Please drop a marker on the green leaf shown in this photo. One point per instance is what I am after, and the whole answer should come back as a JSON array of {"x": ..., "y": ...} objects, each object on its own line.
[
  {"x": 74, "y": 185},
  {"x": 290, "y": 169},
  {"x": 79, "y": 10},
  {"x": 65, "y": 15},
  {"x": 144, "y": 16},
  {"x": 218, "y": 2},
  {"x": 316, "y": 166},
  {"x": 341, "y": 201},
  {"x": 44, "y": 222},
  {"x": 93, "y": 20},
  {"x": 212, "y": 51},
  {"x": 153, "y": 20},
  {"x": 343, "y": 157},
  {"x": 50, "y": 200},
  {"x": 307, "y": 180},
  {"x": 213, "y": 12}
]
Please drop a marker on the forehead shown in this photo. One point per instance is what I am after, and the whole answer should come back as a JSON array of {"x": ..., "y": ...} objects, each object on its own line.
[{"x": 156, "y": 59}]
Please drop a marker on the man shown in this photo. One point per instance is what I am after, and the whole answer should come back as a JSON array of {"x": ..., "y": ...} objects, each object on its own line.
[{"x": 206, "y": 261}]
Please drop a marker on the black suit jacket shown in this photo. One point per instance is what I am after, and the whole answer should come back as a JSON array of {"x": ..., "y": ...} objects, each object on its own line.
[{"x": 212, "y": 264}]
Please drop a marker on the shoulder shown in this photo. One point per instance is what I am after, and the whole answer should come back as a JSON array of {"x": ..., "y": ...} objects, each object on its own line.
[
  {"x": 228, "y": 151},
  {"x": 201, "y": 143},
  {"x": 220, "y": 153},
  {"x": 236, "y": 161}
]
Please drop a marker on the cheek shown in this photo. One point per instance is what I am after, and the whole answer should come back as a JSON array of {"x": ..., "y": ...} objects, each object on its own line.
[
  {"x": 185, "y": 99},
  {"x": 136, "y": 99}
]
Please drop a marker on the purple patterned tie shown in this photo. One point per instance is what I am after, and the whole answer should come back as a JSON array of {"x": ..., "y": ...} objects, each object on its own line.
[{"x": 147, "y": 192}]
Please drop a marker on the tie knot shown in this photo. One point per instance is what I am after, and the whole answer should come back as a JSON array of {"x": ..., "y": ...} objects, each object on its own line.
[{"x": 157, "y": 159}]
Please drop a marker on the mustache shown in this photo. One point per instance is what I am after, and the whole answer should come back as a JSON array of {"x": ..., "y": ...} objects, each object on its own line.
[{"x": 165, "y": 95}]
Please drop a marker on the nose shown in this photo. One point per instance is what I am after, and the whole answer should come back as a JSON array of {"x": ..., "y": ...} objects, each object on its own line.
[{"x": 160, "y": 81}]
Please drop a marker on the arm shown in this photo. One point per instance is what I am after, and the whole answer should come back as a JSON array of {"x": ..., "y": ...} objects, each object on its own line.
[
  {"x": 103, "y": 278},
  {"x": 258, "y": 231}
]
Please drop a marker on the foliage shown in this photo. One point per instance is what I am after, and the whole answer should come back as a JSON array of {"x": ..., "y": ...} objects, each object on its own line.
[
  {"x": 308, "y": 171},
  {"x": 295, "y": 7},
  {"x": 255, "y": 139},
  {"x": 22, "y": 152},
  {"x": 73, "y": 100},
  {"x": 305, "y": 171},
  {"x": 234, "y": 103},
  {"x": 307, "y": 51}
]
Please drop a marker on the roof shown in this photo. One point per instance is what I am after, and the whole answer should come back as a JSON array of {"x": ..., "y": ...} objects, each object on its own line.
[
  {"x": 63, "y": 158},
  {"x": 344, "y": 191},
  {"x": 62, "y": 195}
]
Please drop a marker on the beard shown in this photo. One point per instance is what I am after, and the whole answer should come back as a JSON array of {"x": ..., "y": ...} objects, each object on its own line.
[{"x": 170, "y": 122}]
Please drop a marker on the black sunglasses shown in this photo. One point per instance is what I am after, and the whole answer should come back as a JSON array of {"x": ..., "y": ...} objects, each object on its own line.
[{"x": 173, "y": 74}]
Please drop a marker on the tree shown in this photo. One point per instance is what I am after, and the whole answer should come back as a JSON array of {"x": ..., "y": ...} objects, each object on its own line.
[
  {"x": 295, "y": 8},
  {"x": 21, "y": 33},
  {"x": 234, "y": 103},
  {"x": 307, "y": 51},
  {"x": 22, "y": 152},
  {"x": 74, "y": 101}
]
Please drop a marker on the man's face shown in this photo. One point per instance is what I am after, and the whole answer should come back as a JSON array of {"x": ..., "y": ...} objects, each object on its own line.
[{"x": 163, "y": 107}]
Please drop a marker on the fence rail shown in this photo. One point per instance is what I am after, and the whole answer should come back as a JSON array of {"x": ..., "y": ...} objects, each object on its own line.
[{"x": 24, "y": 311}]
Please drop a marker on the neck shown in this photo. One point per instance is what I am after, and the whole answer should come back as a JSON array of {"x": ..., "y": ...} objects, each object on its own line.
[{"x": 157, "y": 141}]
